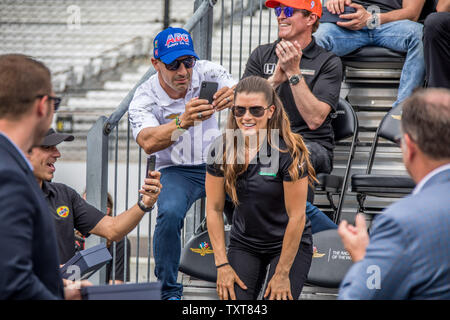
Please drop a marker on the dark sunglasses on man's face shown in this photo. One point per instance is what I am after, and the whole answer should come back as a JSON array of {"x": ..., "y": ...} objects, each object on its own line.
[
  {"x": 288, "y": 11},
  {"x": 56, "y": 100},
  {"x": 175, "y": 64},
  {"x": 256, "y": 111}
]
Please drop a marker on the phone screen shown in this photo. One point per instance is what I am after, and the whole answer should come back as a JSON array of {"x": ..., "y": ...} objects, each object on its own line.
[{"x": 207, "y": 90}]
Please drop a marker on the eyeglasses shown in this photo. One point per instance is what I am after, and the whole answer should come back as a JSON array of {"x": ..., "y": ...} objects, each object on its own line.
[
  {"x": 256, "y": 111},
  {"x": 56, "y": 100},
  {"x": 175, "y": 64},
  {"x": 288, "y": 11}
]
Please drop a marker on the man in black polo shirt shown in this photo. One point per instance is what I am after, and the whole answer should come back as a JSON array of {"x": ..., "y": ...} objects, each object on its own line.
[
  {"x": 70, "y": 210},
  {"x": 307, "y": 79}
]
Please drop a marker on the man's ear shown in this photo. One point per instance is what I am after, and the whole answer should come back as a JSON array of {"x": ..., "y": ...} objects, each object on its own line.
[
  {"x": 411, "y": 147},
  {"x": 41, "y": 107},
  {"x": 312, "y": 19},
  {"x": 155, "y": 64}
]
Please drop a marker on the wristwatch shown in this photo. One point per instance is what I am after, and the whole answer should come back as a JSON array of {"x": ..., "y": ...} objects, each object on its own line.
[
  {"x": 143, "y": 207},
  {"x": 294, "y": 79}
]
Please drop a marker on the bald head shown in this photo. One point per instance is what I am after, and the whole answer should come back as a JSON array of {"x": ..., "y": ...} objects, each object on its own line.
[{"x": 426, "y": 119}]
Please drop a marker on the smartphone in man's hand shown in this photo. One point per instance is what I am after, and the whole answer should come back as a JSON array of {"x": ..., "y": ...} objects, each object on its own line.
[
  {"x": 151, "y": 163},
  {"x": 207, "y": 90}
]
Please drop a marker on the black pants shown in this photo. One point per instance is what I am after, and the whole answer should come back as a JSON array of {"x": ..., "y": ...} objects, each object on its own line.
[
  {"x": 321, "y": 160},
  {"x": 251, "y": 267},
  {"x": 436, "y": 39}
]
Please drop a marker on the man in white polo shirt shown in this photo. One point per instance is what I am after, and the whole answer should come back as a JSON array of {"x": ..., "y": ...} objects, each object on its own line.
[{"x": 169, "y": 120}]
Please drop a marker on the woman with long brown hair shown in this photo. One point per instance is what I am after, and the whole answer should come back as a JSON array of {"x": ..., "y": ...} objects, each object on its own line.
[{"x": 265, "y": 169}]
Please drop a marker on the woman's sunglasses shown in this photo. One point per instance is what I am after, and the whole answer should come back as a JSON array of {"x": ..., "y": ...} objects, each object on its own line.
[
  {"x": 288, "y": 11},
  {"x": 256, "y": 111},
  {"x": 175, "y": 64}
]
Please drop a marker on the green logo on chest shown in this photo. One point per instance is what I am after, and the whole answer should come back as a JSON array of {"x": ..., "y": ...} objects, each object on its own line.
[{"x": 261, "y": 173}]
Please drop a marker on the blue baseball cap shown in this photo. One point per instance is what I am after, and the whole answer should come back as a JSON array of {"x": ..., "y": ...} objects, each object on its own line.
[{"x": 172, "y": 43}]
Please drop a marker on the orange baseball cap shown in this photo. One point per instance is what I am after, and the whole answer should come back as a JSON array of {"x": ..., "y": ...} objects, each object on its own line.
[{"x": 314, "y": 6}]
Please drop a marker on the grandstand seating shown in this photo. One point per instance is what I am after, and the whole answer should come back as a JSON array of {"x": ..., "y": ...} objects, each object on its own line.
[
  {"x": 382, "y": 185},
  {"x": 345, "y": 125}
]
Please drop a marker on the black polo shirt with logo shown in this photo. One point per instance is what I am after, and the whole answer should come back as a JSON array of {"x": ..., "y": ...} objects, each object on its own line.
[
  {"x": 260, "y": 219},
  {"x": 322, "y": 71},
  {"x": 69, "y": 211}
]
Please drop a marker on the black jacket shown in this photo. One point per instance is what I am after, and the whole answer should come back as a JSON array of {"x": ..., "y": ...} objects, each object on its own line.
[{"x": 28, "y": 255}]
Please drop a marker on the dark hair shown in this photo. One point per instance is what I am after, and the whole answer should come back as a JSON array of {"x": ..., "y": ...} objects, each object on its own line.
[
  {"x": 426, "y": 119},
  {"x": 22, "y": 79},
  {"x": 279, "y": 121},
  {"x": 307, "y": 13},
  {"x": 110, "y": 204}
]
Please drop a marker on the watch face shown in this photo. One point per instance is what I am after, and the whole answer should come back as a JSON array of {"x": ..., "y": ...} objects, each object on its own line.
[{"x": 294, "y": 79}]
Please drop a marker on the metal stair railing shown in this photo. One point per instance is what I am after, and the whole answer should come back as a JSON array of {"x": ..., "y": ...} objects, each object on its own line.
[{"x": 200, "y": 26}]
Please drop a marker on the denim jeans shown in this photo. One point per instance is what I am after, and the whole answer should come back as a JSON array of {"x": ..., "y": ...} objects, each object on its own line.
[
  {"x": 402, "y": 36},
  {"x": 182, "y": 186},
  {"x": 319, "y": 220}
]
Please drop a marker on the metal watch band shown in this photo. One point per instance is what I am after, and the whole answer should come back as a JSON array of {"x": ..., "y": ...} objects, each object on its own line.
[{"x": 143, "y": 207}]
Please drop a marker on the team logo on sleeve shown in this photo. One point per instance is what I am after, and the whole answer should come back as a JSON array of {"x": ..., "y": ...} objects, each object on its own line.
[{"x": 63, "y": 211}]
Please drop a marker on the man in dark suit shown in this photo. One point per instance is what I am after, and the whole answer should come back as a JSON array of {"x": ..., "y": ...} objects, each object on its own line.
[
  {"x": 408, "y": 254},
  {"x": 28, "y": 253}
]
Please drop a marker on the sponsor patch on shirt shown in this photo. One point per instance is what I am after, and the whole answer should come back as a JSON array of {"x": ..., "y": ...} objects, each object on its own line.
[
  {"x": 173, "y": 116},
  {"x": 269, "y": 68},
  {"x": 308, "y": 72},
  {"x": 269, "y": 174},
  {"x": 63, "y": 211}
]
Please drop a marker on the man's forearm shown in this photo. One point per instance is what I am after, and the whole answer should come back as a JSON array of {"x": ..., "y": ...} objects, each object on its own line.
[
  {"x": 273, "y": 83},
  {"x": 443, "y": 6},
  {"x": 408, "y": 12},
  {"x": 312, "y": 110},
  {"x": 157, "y": 138},
  {"x": 115, "y": 228}
]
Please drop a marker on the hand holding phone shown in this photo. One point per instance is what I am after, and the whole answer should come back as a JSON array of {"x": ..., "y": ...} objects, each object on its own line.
[
  {"x": 207, "y": 90},
  {"x": 224, "y": 98}
]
